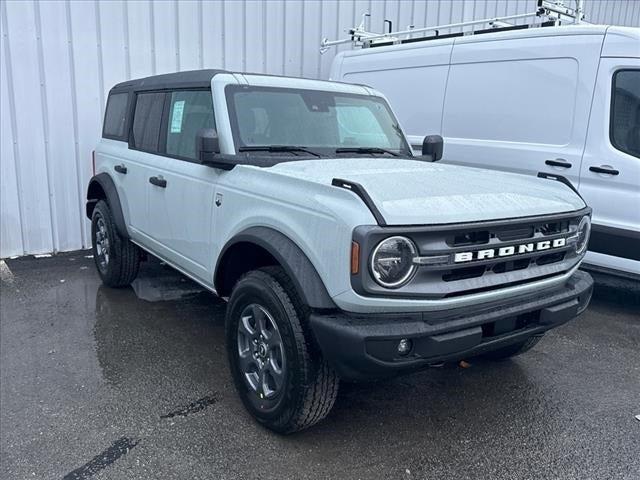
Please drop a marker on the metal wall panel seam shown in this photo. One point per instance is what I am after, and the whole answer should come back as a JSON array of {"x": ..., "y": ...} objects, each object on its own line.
[
  {"x": 244, "y": 35},
  {"x": 634, "y": 18},
  {"x": 176, "y": 26},
  {"x": 127, "y": 49},
  {"x": 623, "y": 17},
  {"x": 74, "y": 107},
  {"x": 319, "y": 66},
  {"x": 152, "y": 35},
  {"x": 596, "y": 14},
  {"x": 45, "y": 129},
  {"x": 264, "y": 36},
  {"x": 200, "y": 36},
  {"x": 302, "y": 39},
  {"x": 14, "y": 124},
  {"x": 224, "y": 36},
  {"x": 100, "y": 61},
  {"x": 284, "y": 40}
]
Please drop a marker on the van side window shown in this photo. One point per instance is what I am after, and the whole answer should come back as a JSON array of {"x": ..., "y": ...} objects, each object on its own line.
[
  {"x": 189, "y": 112},
  {"x": 115, "y": 116},
  {"x": 147, "y": 120},
  {"x": 625, "y": 112}
]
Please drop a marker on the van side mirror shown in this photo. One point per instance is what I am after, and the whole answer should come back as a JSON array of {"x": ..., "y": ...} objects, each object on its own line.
[
  {"x": 207, "y": 145},
  {"x": 432, "y": 147}
]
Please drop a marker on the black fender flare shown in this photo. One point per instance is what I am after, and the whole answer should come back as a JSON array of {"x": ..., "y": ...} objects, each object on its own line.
[
  {"x": 105, "y": 182},
  {"x": 292, "y": 259}
]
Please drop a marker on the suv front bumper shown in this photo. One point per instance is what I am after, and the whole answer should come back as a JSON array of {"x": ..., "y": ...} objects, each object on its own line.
[{"x": 361, "y": 346}]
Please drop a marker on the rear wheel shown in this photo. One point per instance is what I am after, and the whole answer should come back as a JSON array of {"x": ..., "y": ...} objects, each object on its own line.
[
  {"x": 278, "y": 371},
  {"x": 116, "y": 258},
  {"x": 513, "y": 350}
]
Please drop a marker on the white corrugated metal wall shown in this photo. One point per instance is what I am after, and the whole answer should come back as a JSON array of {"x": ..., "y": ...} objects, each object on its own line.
[{"x": 59, "y": 59}]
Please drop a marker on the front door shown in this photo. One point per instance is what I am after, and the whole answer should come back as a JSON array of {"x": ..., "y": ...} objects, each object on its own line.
[
  {"x": 610, "y": 174},
  {"x": 181, "y": 191}
]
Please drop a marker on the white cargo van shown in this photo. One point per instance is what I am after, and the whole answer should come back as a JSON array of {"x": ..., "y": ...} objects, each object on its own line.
[{"x": 562, "y": 100}]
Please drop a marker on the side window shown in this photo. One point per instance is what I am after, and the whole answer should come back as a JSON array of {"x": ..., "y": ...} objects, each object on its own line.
[
  {"x": 625, "y": 112},
  {"x": 147, "y": 120},
  {"x": 115, "y": 117},
  {"x": 189, "y": 112}
]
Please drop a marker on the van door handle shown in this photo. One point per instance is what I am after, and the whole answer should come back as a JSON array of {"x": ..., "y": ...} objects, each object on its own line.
[
  {"x": 120, "y": 169},
  {"x": 558, "y": 162},
  {"x": 608, "y": 170},
  {"x": 158, "y": 182}
]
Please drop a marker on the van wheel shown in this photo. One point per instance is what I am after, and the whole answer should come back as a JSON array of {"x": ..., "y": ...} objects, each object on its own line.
[
  {"x": 278, "y": 372},
  {"x": 512, "y": 350},
  {"x": 116, "y": 258}
]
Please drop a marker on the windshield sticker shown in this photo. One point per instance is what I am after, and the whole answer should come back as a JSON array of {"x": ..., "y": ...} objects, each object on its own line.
[{"x": 176, "y": 118}]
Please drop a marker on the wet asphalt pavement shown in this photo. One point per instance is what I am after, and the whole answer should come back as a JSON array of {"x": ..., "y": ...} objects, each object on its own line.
[{"x": 118, "y": 384}]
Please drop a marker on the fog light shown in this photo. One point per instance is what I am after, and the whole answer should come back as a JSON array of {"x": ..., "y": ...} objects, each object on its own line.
[{"x": 404, "y": 346}]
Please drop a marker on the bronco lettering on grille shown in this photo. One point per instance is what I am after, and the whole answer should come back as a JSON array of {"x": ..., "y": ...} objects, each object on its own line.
[{"x": 510, "y": 250}]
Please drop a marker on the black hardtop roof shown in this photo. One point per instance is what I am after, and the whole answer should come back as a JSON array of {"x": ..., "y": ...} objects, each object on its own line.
[{"x": 188, "y": 79}]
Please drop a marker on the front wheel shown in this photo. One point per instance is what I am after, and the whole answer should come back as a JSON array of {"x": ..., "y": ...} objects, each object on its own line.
[{"x": 278, "y": 372}]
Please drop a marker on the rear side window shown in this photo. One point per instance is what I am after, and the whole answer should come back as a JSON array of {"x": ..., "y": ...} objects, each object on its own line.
[
  {"x": 115, "y": 117},
  {"x": 189, "y": 112},
  {"x": 147, "y": 120},
  {"x": 625, "y": 112}
]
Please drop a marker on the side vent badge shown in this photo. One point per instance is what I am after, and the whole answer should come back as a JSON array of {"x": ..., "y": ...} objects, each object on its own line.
[{"x": 218, "y": 199}]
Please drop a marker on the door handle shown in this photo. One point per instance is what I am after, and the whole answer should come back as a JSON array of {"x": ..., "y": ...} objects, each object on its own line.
[
  {"x": 606, "y": 169},
  {"x": 120, "y": 169},
  {"x": 558, "y": 162},
  {"x": 158, "y": 182}
]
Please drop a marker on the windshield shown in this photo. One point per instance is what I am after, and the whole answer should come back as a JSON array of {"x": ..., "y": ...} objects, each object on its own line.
[{"x": 320, "y": 121}]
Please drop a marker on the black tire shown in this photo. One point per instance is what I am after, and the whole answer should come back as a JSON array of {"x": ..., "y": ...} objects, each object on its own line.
[
  {"x": 123, "y": 257},
  {"x": 512, "y": 350},
  {"x": 308, "y": 385}
]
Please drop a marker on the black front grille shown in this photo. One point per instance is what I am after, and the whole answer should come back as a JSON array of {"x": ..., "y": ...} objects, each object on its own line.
[{"x": 514, "y": 253}]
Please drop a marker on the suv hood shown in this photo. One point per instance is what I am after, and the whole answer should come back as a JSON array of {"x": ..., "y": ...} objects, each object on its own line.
[{"x": 412, "y": 192}]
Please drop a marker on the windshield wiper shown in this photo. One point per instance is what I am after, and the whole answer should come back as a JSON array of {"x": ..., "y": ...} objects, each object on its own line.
[
  {"x": 277, "y": 148},
  {"x": 366, "y": 150}
]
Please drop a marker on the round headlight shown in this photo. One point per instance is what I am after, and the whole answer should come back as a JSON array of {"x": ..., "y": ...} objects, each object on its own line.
[
  {"x": 582, "y": 234},
  {"x": 392, "y": 261}
]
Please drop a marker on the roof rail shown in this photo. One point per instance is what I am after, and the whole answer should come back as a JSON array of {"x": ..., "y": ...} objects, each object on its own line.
[{"x": 555, "y": 12}]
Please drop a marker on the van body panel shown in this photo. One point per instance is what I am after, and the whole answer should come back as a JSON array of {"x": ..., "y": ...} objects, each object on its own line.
[
  {"x": 529, "y": 102},
  {"x": 622, "y": 42}
]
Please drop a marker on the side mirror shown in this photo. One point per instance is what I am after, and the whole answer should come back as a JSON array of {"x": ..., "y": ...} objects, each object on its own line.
[
  {"x": 207, "y": 145},
  {"x": 432, "y": 147}
]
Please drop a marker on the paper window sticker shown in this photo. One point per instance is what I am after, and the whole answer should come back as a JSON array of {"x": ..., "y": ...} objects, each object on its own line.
[{"x": 176, "y": 118}]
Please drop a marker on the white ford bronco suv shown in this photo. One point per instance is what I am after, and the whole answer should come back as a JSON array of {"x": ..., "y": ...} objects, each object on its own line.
[{"x": 343, "y": 255}]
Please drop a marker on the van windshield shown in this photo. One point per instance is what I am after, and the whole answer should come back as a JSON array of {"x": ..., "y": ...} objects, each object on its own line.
[{"x": 312, "y": 122}]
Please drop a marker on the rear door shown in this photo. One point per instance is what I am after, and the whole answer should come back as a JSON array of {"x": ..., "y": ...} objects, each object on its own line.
[
  {"x": 520, "y": 104},
  {"x": 113, "y": 157},
  {"x": 181, "y": 191},
  {"x": 610, "y": 176},
  {"x": 142, "y": 157}
]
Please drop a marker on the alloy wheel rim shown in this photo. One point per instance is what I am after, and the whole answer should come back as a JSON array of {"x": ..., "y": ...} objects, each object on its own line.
[
  {"x": 261, "y": 352},
  {"x": 102, "y": 243}
]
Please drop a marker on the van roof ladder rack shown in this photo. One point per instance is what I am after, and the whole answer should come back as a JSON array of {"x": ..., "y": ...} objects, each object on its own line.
[{"x": 555, "y": 12}]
